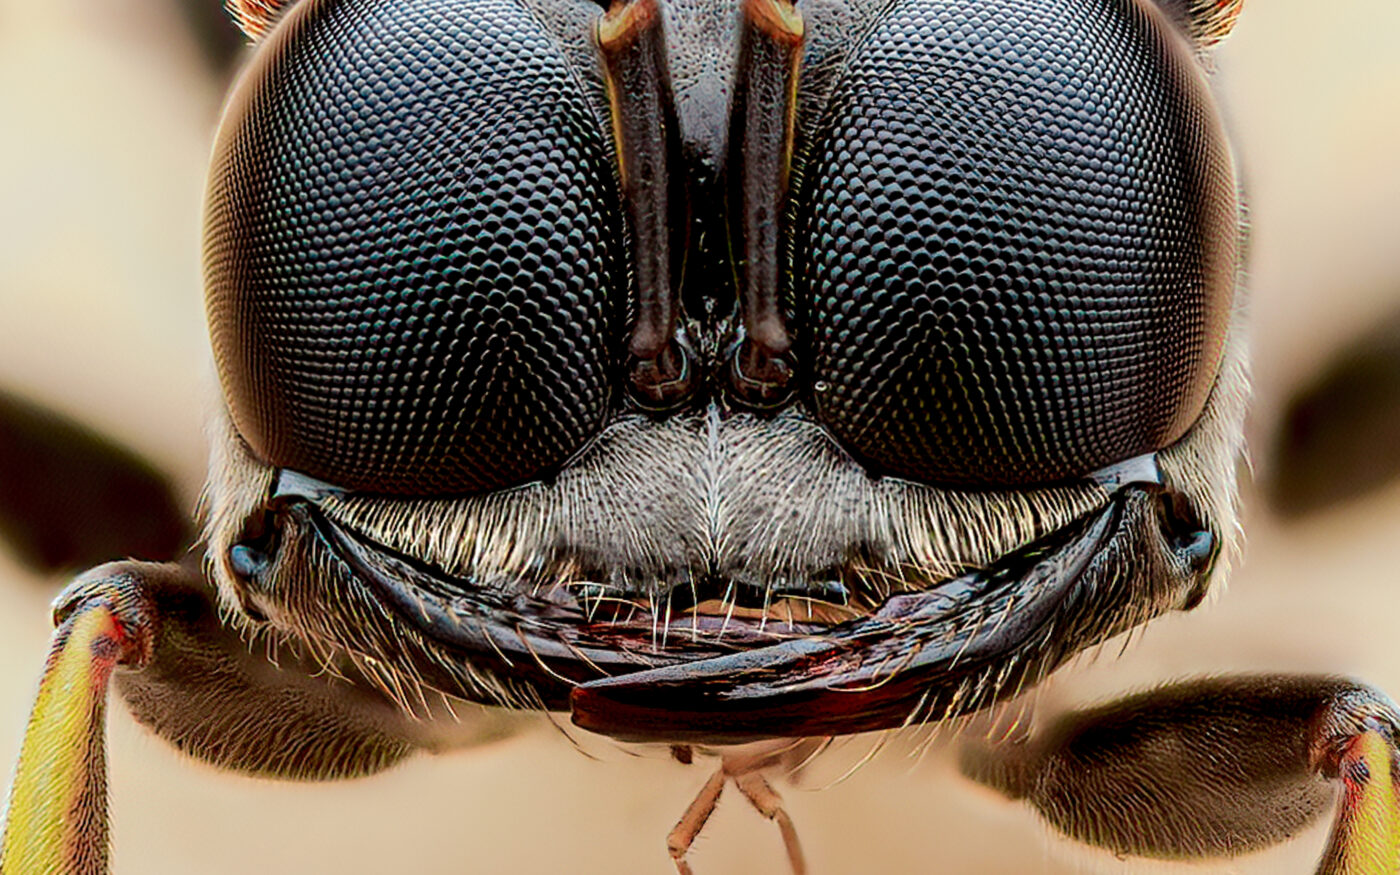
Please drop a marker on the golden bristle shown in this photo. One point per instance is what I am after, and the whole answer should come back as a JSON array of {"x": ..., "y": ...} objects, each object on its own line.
[
  {"x": 1212, "y": 20},
  {"x": 256, "y": 17}
]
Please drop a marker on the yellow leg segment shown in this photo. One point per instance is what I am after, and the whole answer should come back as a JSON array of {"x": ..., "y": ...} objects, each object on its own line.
[
  {"x": 56, "y": 821},
  {"x": 1366, "y": 837}
]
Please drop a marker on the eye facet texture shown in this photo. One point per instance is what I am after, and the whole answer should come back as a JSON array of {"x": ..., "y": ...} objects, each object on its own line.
[
  {"x": 1016, "y": 243},
  {"x": 411, "y": 236}
]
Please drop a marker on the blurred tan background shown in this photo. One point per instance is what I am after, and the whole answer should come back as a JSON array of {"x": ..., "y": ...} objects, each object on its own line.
[{"x": 107, "y": 108}]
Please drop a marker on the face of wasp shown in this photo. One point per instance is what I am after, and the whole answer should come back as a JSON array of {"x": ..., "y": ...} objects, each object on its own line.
[
  {"x": 507, "y": 302},
  {"x": 1291, "y": 619}
]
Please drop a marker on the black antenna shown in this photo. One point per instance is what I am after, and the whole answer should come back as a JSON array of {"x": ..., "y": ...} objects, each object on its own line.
[
  {"x": 633, "y": 47},
  {"x": 765, "y": 111}
]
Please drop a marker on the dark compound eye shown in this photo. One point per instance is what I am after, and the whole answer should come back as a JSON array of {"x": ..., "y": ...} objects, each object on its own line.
[
  {"x": 1017, "y": 246},
  {"x": 409, "y": 248}
]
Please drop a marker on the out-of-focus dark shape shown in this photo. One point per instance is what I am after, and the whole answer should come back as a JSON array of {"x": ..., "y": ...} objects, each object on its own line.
[
  {"x": 1340, "y": 435},
  {"x": 219, "y": 39},
  {"x": 70, "y": 498}
]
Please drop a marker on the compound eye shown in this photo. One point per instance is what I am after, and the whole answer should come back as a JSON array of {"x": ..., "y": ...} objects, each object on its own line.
[
  {"x": 1017, "y": 243},
  {"x": 409, "y": 256}
]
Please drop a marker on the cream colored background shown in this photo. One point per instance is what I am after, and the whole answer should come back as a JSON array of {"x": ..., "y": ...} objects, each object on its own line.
[{"x": 105, "y": 119}]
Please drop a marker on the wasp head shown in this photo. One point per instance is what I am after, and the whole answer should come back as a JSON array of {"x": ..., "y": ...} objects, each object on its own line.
[{"x": 722, "y": 370}]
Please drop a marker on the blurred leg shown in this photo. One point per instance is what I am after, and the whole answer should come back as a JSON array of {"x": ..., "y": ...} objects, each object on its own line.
[
  {"x": 683, "y": 835},
  {"x": 759, "y": 792}
]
